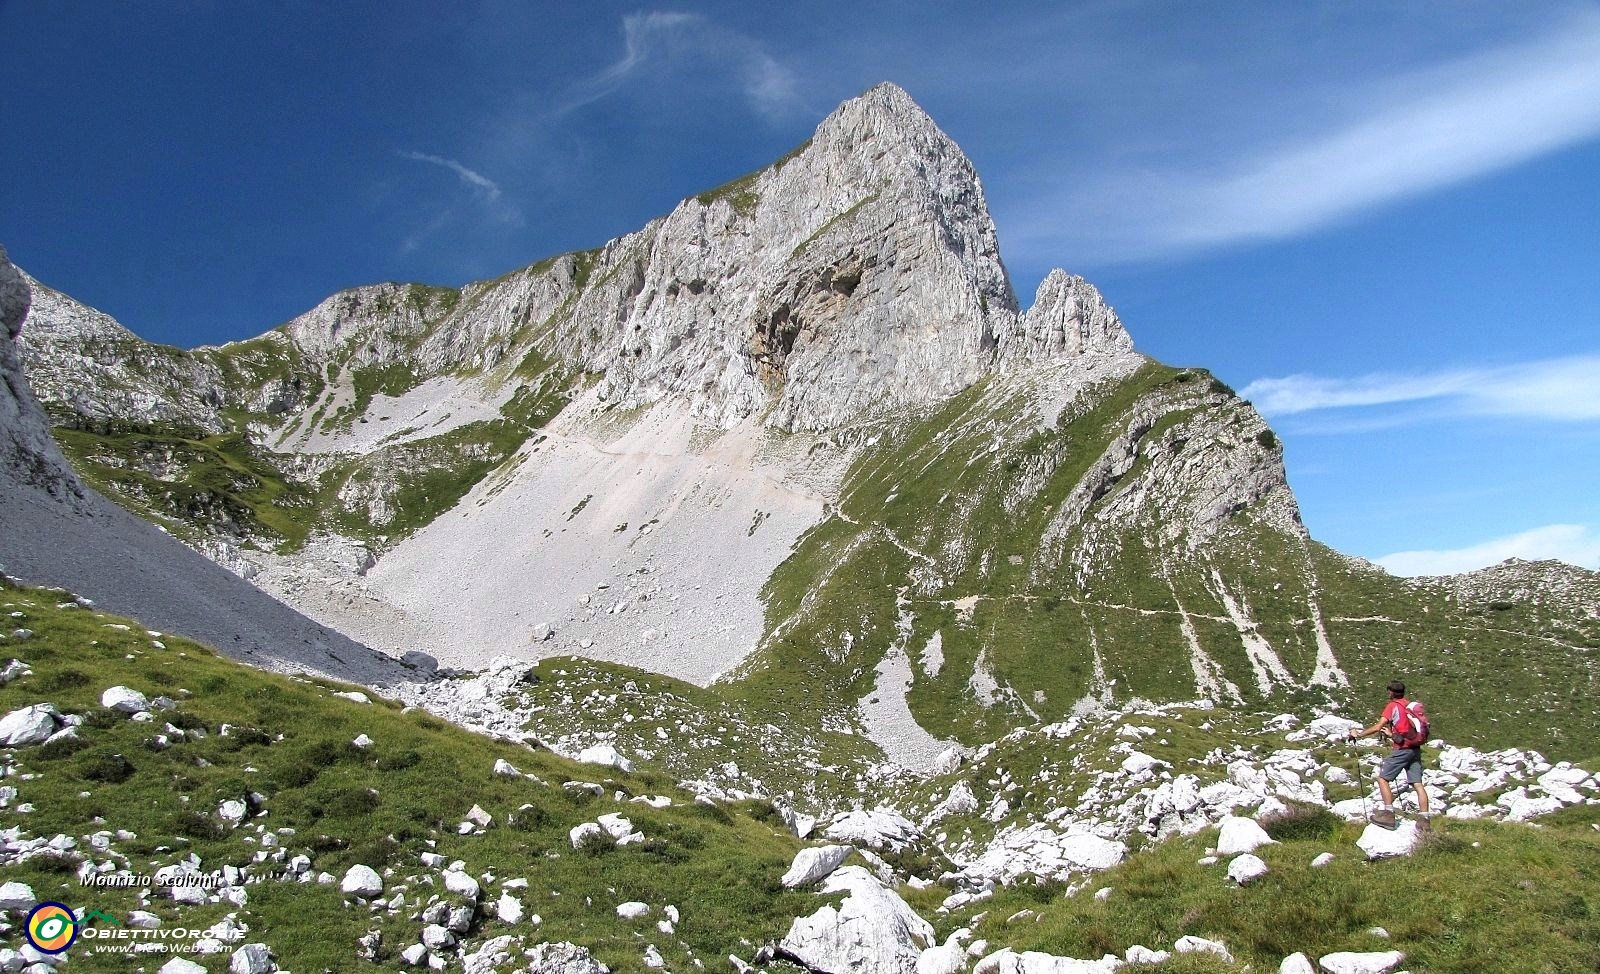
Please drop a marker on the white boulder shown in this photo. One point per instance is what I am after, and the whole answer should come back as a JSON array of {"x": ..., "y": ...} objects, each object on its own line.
[
  {"x": 813, "y": 864},
  {"x": 17, "y": 896},
  {"x": 28, "y": 726},
  {"x": 1296, "y": 964},
  {"x": 563, "y": 958},
  {"x": 362, "y": 881},
  {"x": 872, "y": 931},
  {"x": 876, "y": 829},
  {"x": 124, "y": 700},
  {"x": 461, "y": 884},
  {"x": 178, "y": 965},
  {"x": 1241, "y": 835},
  {"x": 586, "y": 834},
  {"x": 633, "y": 910},
  {"x": 616, "y": 825},
  {"x": 1247, "y": 869},
  {"x": 1196, "y": 945},
  {"x": 1008, "y": 961},
  {"x": 509, "y": 909},
  {"x": 252, "y": 959},
  {"x": 607, "y": 755},
  {"x": 1381, "y": 843},
  {"x": 946, "y": 958},
  {"x": 1356, "y": 962}
]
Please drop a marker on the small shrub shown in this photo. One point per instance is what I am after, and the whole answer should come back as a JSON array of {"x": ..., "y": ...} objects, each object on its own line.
[
  {"x": 398, "y": 761},
  {"x": 101, "y": 719},
  {"x": 61, "y": 747},
  {"x": 192, "y": 824},
  {"x": 297, "y": 773},
  {"x": 1300, "y": 823},
  {"x": 188, "y": 722},
  {"x": 528, "y": 819},
  {"x": 62, "y": 679},
  {"x": 104, "y": 766},
  {"x": 353, "y": 802}
]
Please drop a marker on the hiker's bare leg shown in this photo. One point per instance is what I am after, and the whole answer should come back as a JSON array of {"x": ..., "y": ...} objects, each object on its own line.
[
  {"x": 1386, "y": 792},
  {"x": 1422, "y": 798}
]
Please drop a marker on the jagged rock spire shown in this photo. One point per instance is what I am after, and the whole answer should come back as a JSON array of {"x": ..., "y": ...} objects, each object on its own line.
[{"x": 1069, "y": 317}]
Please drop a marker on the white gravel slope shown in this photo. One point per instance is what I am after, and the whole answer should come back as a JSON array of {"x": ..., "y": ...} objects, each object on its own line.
[{"x": 669, "y": 530}]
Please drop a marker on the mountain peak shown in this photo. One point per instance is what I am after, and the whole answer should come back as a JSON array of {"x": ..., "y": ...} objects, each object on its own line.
[{"x": 885, "y": 117}]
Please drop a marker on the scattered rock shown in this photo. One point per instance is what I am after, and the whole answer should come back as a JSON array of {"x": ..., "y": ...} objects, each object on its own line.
[
  {"x": 633, "y": 910},
  {"x": 362, "y": 742},
  {"x": 1353, "y": 962},
  {"x": 178, "y": 965},
  {"x": 1322, "y": 860}
]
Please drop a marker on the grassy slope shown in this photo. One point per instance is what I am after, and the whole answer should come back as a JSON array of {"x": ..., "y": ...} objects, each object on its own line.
[
  {"x": 951, "y": 506},
  {"x": 381, "y": 807},
  {"x": 1479, "y": 898}
]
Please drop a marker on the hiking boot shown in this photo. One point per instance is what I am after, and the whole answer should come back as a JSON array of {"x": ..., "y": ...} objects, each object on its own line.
[
  {"x": 1425, "y": 823},
  {"x": 1384, "y": 818}
]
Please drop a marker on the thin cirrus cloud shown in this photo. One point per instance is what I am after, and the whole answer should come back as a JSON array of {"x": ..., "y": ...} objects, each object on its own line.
[
  {"x": 1423, "y": 132},
  {"x": 486, "y": 190},
  {"x": 486, "y": 187},
  {"x": 1575, "y": 544},
  {"x": 654, "y": 41},
  {"x": 1560, "y": 389}
]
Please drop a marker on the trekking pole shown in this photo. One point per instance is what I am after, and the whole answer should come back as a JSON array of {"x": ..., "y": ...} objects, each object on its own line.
[{"x": 1366, "y": 813}]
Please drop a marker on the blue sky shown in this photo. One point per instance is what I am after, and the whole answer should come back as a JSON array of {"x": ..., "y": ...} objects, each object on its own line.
[{"x": 1379, "y": 221}]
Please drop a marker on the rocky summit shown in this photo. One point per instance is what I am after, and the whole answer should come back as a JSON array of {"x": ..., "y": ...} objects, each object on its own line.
[{"x": 780, "y": 517}]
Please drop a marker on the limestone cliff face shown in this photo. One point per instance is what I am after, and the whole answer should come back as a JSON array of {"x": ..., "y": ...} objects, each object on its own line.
[
  {"x": 28, "y": 454},
  {"x": 861, "y": 273}
]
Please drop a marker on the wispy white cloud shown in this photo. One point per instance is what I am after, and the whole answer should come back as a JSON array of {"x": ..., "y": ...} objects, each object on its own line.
[
  {"x": 488, "y": 188},
  {"x": 484, "y": 189},
  {"x": 1575, "y": 544},
  {"x": 1563, "y": 389},
  {"x": 1415, "y": 134},
  {"x": 657, "y": 40}
]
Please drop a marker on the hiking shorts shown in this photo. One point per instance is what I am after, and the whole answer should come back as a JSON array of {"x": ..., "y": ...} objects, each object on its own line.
[{"x": 1406, "y": 759}]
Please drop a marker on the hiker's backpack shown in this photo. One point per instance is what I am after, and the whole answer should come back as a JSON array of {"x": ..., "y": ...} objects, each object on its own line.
[{"x": 1410, "y": 727}]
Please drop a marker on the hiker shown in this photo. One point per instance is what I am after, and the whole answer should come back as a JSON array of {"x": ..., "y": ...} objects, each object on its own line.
[{"x": 1406, "y": 732}]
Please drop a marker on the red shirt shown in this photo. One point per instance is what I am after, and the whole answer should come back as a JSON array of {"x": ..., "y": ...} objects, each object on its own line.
[{"x": 1391, "y": 714}]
